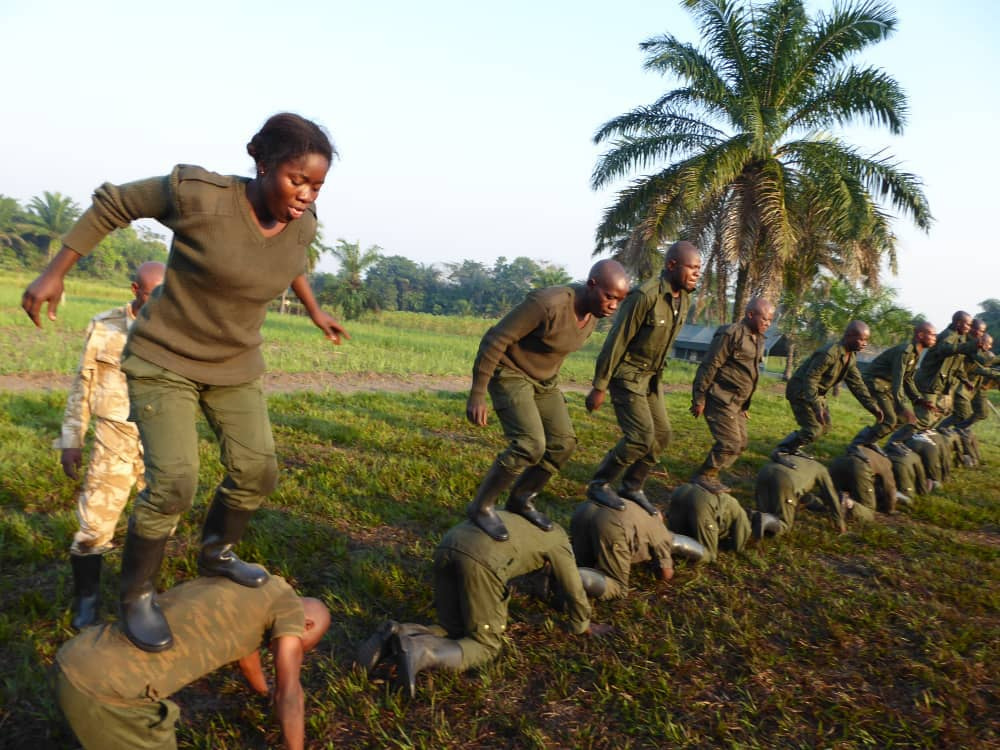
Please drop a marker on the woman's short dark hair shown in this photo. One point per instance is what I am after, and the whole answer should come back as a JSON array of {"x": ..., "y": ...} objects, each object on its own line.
[{"x": 287, "y": 136}]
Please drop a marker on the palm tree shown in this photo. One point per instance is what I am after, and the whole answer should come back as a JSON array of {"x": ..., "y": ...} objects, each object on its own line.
[
  {"x": 49, "y": 217},
  {"x": 11, "y": 218},
  {"x": 746, "y": 137},
  {"x": 351, "y": 294}
]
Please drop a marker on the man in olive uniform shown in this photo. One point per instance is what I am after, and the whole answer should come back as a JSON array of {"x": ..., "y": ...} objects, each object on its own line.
[
  {"x": 471, "y": 576},
  {"x": 938, "y": 374},
  {"x": 518, "y": 362},
  {"x": 629, "y": 365},
  {"x": 975, "y": 376},
  {"x": 806, "y": 390},
  {"x": 908, "y": 469},
  {"x": 933, "y": 457},
  {"x": 782, "y": 484},
  {"x": 725, "y": 384},
  {"x": 865, "y": 477},
  {"x": 889, "y": 379},
  {"x": 116, "y": 697},
  {"x": 710, "y": 518},
  {"x": 608, "y": 542},
  {"x": 100, "y": 391}
]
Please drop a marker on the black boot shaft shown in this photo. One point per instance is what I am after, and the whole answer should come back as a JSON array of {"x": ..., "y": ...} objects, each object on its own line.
[{"x": 224, "y": 527}]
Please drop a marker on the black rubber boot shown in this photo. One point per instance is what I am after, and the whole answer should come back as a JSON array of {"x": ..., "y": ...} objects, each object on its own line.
[
  {"x": 524, "y": 492},
  {"x": 481, "y": 511},
  {"x": 764, "y": 523},
  {"x": 790, "y": 444},
  {"x": 415, "y": 653},
  {"x": 600, "y": 489},
  {"x": 688, "y": 548},
  {"x": 710, "y": 482},
  {"x": 631, "y": 489},
  {"x": 142, "y": 621},
  {"x": 224, "y": 527},
  {"x": 377, "y": 646},
  {"x": 86, "y": 589},
  {"x": 594, "y": 582}
]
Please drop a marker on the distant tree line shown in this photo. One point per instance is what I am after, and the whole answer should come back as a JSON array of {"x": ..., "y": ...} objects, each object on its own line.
[
  {"x": 369, "y": 281},
  {"x": 30, "y": 235}
]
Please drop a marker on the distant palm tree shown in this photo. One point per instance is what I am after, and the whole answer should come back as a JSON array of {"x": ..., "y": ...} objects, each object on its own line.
[
  {"x": 351, "y": 294},
  {"x": 11, "y": 217},
  {"x": 49, "y": 217},
  {"x": 550, "y": 275},
  {"x": 745, "y": 139}
]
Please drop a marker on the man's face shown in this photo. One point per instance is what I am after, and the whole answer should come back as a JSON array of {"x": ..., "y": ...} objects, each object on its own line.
[
  {"x": 927, "y": 337},
  {"x": 606, "y": 296},
  {"x": 760, "y": 321},
  {"x": 856, "y": 339},
  {"x": 684, "y": 272},
  {"x": 143, "y": 289},
  {"x": 977, "y": 328},
  {"x": 963, "y": 325}
]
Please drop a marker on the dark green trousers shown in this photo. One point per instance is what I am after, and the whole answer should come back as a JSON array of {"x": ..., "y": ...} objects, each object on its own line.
[
  {"x": 535, "y": 422},
  {"x": 471, "y": 602},
  {"x": 164, "y": 406},
  {"x": 144, "y": 725},
  {"x": 645, "y": 426},
  {"x": 728, "y": 426},
  {"x": 891, "y": 421},
  {"x": 810, "y": 428}
]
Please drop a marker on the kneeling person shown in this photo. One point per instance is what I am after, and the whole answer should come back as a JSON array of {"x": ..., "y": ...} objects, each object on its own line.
[
  {"x": 115, "y": 696},
  {"x": 612, "y": 541},
  {"x": 710, "y": 518},
  {"x": 782, "y": 483},
  {"x": 471, "y": 576},
  {"x": 865, "y": 477}
]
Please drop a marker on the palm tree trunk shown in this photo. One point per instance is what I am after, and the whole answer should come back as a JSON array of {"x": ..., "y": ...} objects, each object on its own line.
[
  {"x": 742, "y": 293},
  {"x": 789, "y": 360}
]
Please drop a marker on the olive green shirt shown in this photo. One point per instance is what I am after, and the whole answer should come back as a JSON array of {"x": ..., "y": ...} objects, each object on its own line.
[
  {"x": 614, "y": 540},
  {"x": 204, "y": 321},
  {"x": 792, "y": 478},
  {"x": 894, "y": 369},
  {"x": 527, "y": 550},
  {"x": 534, "y": 338},
  {"x": 214, "y": 622},
  {"x": 731, "y": 368},
  {"x": 941, "y": 365},
  {"x": 640, "y": 338},
  {"x": 824, "y": 369},
  {"x": 857, "y": 477}
]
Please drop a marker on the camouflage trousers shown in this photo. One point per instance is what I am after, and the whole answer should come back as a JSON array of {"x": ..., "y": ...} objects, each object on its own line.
[{"x": 115, "y": 467}]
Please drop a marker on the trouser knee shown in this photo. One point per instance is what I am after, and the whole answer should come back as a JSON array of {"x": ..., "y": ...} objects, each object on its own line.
[
  {"x": 255, "y": 474},
  {"x": 560, "y": 451}
]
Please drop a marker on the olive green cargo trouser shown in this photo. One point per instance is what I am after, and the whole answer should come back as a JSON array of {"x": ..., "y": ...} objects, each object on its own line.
[
  {"x": 105, "y": 726},
  {"x": 471, "y": 602},
  {"x": 535, "y": 422},
  {"x": 164, "y": 406},
  {"x": 891, "y": 420},
  {"x": 728, "y": 426},
  {"x": 645, "y": 426},
  {"x": 810, "y": 428}
]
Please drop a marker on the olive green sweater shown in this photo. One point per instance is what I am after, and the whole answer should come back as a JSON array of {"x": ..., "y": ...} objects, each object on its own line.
[
  {"x": 204, "y": 321},
  {"x": 534, "y": 338}
]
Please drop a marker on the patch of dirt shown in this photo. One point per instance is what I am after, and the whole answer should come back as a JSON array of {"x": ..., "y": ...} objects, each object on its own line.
[{"x": 291, "y": 382}]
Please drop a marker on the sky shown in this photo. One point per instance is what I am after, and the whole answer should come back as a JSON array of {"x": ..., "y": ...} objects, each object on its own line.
[{"x": 464, "y": 129}]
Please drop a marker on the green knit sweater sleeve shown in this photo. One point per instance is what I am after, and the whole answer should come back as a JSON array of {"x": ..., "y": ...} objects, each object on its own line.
[{"x": 117, "y": 206}]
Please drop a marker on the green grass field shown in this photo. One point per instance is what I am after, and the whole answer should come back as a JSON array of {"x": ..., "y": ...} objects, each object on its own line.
[{"x": 888, "y": 636}]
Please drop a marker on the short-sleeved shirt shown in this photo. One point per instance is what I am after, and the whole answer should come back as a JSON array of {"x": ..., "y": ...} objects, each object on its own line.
[{"x": 214, "y": 622}]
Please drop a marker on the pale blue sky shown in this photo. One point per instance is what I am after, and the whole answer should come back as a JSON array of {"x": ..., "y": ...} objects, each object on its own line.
[{"x": 464, "y": 129}]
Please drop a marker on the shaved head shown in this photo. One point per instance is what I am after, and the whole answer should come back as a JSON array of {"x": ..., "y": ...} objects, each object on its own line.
[
  {"x": 150, "y": 273},
  {"x": 317, "y": 618},
  {"x": 147, "y": 277},
  {"x": 924, "y": 335},
  {"x": 978, "y": 327},
  {"x": 680, "y": 251},
  {"x": 856, "y": 336},
  {"x": 607, "y": 286},
  {"x": 758, "y": 314},
  {"x": 682, "y": 266},
  {"x": 609, "y": 272},
  {"x": 961, "y": 322}
]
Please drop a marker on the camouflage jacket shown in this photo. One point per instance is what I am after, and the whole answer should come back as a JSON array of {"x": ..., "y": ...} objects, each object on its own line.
[{"x": 99, "y": 389}]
